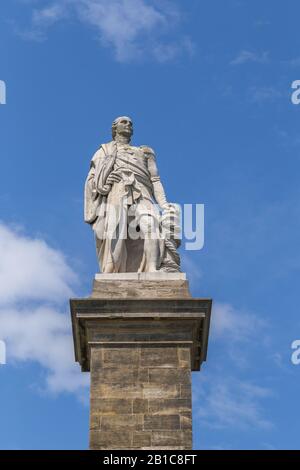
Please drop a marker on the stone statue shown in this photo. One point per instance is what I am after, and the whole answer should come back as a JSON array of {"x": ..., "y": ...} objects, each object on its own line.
[{"x": 136, "y": 229}]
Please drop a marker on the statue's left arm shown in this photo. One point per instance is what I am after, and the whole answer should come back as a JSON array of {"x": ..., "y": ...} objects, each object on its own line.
[
  {"x": 98, "y": 183},
  {"x": 91, "y": 197},
  {"x": 158, "y": 189}
]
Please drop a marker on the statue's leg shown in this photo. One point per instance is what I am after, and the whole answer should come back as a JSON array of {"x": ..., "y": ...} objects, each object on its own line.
[
  {"x": 148, "y": 227},
  {"x": 98, "y": 251},
  {"x": 109, "y": 267},
  {"x": 105, "y": 260}
]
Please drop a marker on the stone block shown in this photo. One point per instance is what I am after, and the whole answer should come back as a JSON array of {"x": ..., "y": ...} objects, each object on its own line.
[
  {"x": 159, "y": 357},
  {"x": 117, "y": 391},
  {"x": 184, "y": 357},
  {"x": 186, "y": 420},
  {"x": 169, "y": 406},
  {"x": 112, "y": 405},
  {"x": 94, "y": 419},
  {"x": 185, "y": 391},
  {"x": 110, "y": 440},
  {"x": 121, "y": 422},
  {"x": 125, "y": 357},
  {"x": 161, "y": 422},
  {"x": 119, "y": 375},
  {"x": 172, "y": 439},
  {"x": 140, "y": 405},
  {"x": 170, "y": 375},
  {"x": 161, "y": 391},
  {"x": 141, "y": 439}
]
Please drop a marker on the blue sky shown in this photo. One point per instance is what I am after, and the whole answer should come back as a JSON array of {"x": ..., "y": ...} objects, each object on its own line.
[{"x": 208, "y": 85}]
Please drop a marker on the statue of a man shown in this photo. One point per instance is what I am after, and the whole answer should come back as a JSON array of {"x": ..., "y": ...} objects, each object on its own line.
[{"x": 122, "y": 189}]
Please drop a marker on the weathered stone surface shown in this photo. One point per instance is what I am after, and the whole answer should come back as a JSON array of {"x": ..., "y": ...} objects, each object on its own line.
[
  {"x": 139, "y": 400},
  {"x": 184, "y": 357},
  {"x": 186, "y": 420},
  {"x": 112, "y": 405},
  {"x": 117, "y": 391},
  {"x": 140, "y": 405},
  {"x": 159, "y": 357},
  {"x": 140, "y": 353},
  {"x": 172, "y": 438},
  {"x": 122, "y": 422},
  {"x": 169, "y": 406},
  {"x": 143, "y": 276},
  {"x": 94, "y": 419},
  {"x": 170, "y": 375},
  {"x": 141, "y": 439},
  {"x": 126, "y": 357},
  {"x": 117, "y": 323},
  {"x": 117, "y": 375},
  {"x": 161, "y": 422},
  {"x": 110, "y": 440},
  {"x": 161, "y": 391},
  {"x": 185, "y": 391},
  {"x": 167, "y": 288}
]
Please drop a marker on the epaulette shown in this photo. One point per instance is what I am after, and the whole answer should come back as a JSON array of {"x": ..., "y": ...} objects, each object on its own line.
[{"x": 147, "y": 150}]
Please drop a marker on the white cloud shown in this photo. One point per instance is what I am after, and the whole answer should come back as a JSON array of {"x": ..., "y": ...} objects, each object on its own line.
[
  {"x": 231, "y": 403},
  {"x": 133, "y": 28},
  {"x": 49, "y": 15},
  {"x": 122, "y": 23},
  {"x": 35, "y": 281},
  {"x": 234, "y": 325},
  {"x": 31, "y": 270},
  {"x": 235, "y": 331},
  {"x": 249, "y": 56},
  {"x": 43, "y": 335}
]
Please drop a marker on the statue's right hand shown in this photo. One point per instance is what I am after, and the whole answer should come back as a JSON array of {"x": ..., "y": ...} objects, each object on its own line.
[{"x": 113, "y": 178}]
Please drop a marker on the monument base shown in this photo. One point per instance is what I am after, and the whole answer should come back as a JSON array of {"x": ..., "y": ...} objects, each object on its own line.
[{"x": 140, "y": 336}]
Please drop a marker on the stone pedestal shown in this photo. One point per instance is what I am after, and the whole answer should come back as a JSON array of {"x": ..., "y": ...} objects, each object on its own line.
[{"x": 140, "y": 336}]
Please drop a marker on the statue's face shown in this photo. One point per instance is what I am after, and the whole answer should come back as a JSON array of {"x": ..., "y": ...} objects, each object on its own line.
[{"x": 124, "y": 127}]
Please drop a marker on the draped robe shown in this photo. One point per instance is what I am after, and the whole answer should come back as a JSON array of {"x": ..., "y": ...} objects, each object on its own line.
[{"x": 106, "y": 205}]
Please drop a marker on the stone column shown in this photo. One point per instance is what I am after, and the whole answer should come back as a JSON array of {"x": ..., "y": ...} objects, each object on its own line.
[{"x": 140, "y": 335}]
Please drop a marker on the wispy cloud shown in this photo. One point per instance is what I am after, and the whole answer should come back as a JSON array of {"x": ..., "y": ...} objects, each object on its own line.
[
  {"x": 249, "y": 56},
  {"x": 228, "y": 400},
  {"x": 49, "y": 15},
  {"x": 134, "y": 29},
  {"x": 295, "y": 62},
  {"x": 262, "y": 23},
  {"x": 231, "y": 403},
  {"x": 31, "y": 270},
  {"x": 263, "y": 94},
  {"x": 233, "y": 325},
  {"x": 168, "y": 52},
  {"x": 42, "y": 335},
  {"x": 235, "y": 332},
  {"x": 287, "y": 138},
  {"x": 35, "y": 282}
]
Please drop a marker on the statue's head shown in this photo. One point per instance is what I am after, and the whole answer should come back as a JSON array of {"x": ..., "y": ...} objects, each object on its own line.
[{"x": 122, "y": 125}]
